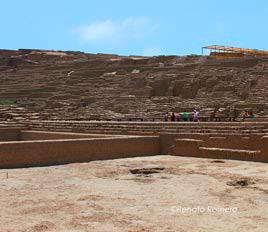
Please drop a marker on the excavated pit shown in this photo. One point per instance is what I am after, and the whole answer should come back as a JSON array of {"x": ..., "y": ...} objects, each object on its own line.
[
  {"x": 242, "y": 183},
  {"x": 145, "y": 171},
  {"x": 217, "y": 161}
]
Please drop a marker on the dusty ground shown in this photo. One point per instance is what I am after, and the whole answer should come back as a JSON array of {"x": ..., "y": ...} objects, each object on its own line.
[{"x": 189, "y": 194}]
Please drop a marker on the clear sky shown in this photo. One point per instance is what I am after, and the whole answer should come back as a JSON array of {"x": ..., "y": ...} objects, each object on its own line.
[{"x": 133, "y": 27}]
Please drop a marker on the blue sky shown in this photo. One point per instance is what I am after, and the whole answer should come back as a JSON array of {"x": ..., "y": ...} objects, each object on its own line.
[{"x": 127, "y": 27}]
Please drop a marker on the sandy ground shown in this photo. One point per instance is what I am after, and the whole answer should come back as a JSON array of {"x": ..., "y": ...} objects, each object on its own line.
[{"x": 189, "y": 194}]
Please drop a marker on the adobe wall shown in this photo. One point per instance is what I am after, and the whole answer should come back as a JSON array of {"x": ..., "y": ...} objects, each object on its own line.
[
  {"x": 239, "y": 141},
  {"x": 9, "y": 134},
  {"x": 264, "y": 148},
  {"x": 245, "y": 142},
  {"x": 222, "y": 153},
  {"x": 186, "y": 147},
  {"x": 58, "y": 147},
  {"x": 45, "y": 135},
  {"x": 195, "y": 148},
  {"x": 51, "y": 152},
  {"x": 148, "y": 128},
  {"x": 50, "y": 124}
]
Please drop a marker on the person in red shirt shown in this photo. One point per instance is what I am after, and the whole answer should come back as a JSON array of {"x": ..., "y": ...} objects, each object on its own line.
[{"x": 244, "y": 115}]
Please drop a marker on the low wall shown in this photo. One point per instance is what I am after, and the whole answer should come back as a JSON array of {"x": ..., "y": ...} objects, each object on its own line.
[
  {"x": 142, "y": 128},
  {"x": 248, "y": 142},
  {"x": 264, "y": 148},
  {"x": 187, "y": 147},
  {"x": 45, "y": 135},
  {"x": 194, "y": 148},
  {"x": 9, "y": 134},
  {"x": 51, "y": 152},
  {"x": 36, "y": 148},
  {"x": 224, "y": 153}
]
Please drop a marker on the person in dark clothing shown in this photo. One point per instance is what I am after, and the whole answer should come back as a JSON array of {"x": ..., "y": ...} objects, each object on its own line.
[{"x": 173, "y": 117}]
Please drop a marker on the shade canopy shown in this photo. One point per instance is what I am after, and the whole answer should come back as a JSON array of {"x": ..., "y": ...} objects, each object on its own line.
[{"x": 238, "y": 50}]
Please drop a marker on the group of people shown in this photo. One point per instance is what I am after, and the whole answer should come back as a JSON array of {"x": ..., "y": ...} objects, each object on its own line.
[
  {"x": 172, "y": 116},
  {"x": 246, "y": 114},
  {"x": 185, "y": 117}
]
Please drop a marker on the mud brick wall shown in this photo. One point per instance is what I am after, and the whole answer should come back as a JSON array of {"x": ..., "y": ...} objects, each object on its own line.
[
  {"x": 244, "y": 142},
  {"x": 44, "y": 135},
  {"x": 194, "y": 148},
  {"x": 7, "y": 134},
  {"x": 223, "y": 153},
  {"x": 39, "y": 153},
  {"x": 153, "y": 128},
  {"x": 187, "y": 147},
  {"x": 264, "y": 148}
]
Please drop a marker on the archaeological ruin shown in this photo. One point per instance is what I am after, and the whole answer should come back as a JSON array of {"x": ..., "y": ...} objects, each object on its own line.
[
  {"x": 50, "y": 85},
  {"x": 84, "y": 145},
  {"x": 81, "y": 107}
]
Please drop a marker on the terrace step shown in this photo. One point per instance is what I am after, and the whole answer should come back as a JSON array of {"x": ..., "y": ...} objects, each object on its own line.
[{"x": 225, "y": 153}]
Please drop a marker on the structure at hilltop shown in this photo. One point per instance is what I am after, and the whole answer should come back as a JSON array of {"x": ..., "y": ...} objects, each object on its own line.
[{"x": 39, "y": 84}]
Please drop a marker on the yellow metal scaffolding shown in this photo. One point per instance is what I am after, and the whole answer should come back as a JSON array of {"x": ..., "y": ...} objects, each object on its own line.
[{"x": 233, "y": 52}]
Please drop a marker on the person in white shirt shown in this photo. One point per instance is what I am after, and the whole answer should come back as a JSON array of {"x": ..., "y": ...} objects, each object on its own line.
[{"x": 195, "y": 116}]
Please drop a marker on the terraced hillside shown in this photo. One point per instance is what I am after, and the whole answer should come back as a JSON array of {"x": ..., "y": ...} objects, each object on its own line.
[{"x": 39, "y": 84}]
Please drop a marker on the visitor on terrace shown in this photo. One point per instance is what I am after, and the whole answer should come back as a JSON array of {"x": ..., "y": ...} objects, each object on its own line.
[
  {"x": 166, "y": 116},
  {"x": 213, "y": 115},
  {"x": 195, "y": 116},
  {"x": 251, "y": 115},
  {"x": 244, "y": 115},
  {"x": 173, "y": 117},
  {"x": 185, "y": 116}
]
